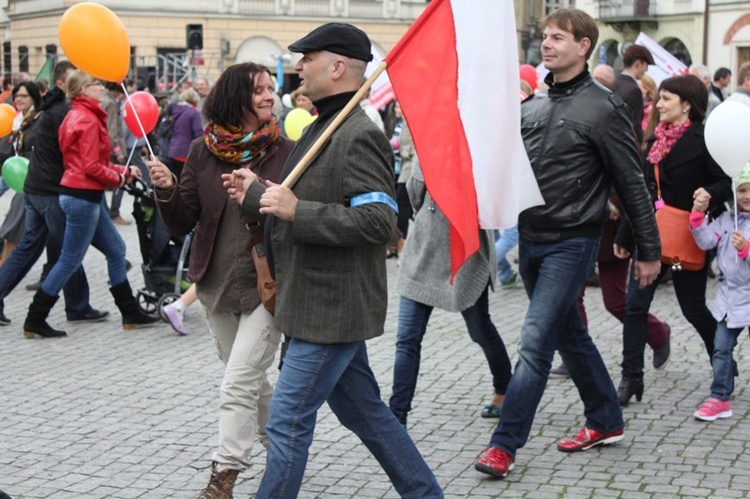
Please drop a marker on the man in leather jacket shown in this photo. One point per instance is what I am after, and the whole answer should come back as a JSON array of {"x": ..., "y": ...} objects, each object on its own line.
[{"x": 580, "y": 143}]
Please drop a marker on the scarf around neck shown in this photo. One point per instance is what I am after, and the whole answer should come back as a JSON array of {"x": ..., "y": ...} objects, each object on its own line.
[
  {"x": 666, "y": 137},
  {"x": 231, "y": 145},
  {"x": 29, "y": 118}
]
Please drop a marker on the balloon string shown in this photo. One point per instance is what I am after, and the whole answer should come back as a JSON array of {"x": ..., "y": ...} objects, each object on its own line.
[
  {"x": 135, "y": 145},
  {"x": 734, "y": 191},
  {"x": 137, "y": 119}
]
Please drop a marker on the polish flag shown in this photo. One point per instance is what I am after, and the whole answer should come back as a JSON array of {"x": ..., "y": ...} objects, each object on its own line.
[{"x": 455, "y": 75}]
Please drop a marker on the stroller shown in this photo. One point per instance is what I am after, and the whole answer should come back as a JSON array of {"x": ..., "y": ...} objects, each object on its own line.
[{"x": 164, "y": 256}]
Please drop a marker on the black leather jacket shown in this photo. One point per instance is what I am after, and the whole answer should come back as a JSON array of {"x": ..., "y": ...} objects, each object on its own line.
[{"x": 579, "y": 138}]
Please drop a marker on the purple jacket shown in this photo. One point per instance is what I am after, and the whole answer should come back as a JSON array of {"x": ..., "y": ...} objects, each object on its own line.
[
  {"x": 186, "y": 127},
  {"x": 733, "y": 296}
]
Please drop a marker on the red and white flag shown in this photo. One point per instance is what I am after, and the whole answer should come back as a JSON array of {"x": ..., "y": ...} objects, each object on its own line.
[{"x": 455, "y": 75}]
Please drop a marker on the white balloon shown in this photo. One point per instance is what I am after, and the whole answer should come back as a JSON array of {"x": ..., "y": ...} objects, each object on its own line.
[{"x": 727, "y": 134}]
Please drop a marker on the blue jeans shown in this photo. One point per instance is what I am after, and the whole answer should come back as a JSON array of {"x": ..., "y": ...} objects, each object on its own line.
[
  {"x": 507, "y": 240},
  {"x": 44, "y": 224},
  {"x": 86, "y": 223},
  {"x": 412, "y": 325},
  {"x": 726, "y": 339},
  {"x": 339, "y": 374},
  {"x": 553, "y": 274}
]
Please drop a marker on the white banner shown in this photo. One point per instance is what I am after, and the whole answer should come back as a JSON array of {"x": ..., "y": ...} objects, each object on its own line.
[
  {"x": 381, "y": 91},
  {"x": 666, "y": 64}
]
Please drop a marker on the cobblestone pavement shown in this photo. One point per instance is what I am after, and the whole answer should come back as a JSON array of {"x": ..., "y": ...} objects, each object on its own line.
[{"x": 123, "y": 414}]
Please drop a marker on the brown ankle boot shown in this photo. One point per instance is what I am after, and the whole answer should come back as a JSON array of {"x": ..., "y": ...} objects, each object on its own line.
[{"x": 220, "y": 485}]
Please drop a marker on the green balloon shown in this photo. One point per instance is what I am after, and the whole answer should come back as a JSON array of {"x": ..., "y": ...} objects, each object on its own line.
[{"x": 14, "y": 172}]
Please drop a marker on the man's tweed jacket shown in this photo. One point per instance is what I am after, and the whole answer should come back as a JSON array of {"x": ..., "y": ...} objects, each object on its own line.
[{"x": 330, "y": 261}]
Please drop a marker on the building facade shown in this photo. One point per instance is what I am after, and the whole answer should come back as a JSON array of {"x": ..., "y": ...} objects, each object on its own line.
[
  {"x": 711, "y": 32},
  {"x": 230, "y": 31},
  {"x": 728, "y": 35}
]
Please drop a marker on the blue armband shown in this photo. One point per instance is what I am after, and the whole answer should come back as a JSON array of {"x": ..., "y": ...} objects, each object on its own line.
[{"x": 374, "y": 197}]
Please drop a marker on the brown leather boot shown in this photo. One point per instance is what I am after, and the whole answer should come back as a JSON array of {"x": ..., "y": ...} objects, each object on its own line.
[{"x": 220, "y": 485}]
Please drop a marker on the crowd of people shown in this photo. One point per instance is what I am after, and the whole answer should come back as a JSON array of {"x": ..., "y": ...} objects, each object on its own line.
[{"x": 608, "y": 151}]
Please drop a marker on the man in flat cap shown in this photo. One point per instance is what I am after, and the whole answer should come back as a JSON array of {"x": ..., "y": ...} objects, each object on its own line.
[
  {"x": 327, "y": 237},
  {"x": 635, "y": 64}
]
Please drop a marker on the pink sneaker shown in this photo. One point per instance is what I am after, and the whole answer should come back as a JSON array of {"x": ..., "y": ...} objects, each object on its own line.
[
  {"x": 713, "y": 409},
  {"x": 175, "y": 318}
]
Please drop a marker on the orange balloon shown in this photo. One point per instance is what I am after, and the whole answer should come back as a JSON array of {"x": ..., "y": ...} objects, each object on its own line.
[
  {"x": 94, "y": 39},
  {"x": 7, "y": 115}
]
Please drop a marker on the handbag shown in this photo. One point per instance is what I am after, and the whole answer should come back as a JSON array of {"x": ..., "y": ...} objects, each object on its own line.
[
  {"x": 266, "y": 284},
  {"x": 678, "y": 247}
]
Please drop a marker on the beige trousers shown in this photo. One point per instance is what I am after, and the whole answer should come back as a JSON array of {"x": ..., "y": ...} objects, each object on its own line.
[{"x": 247, "y": 345}]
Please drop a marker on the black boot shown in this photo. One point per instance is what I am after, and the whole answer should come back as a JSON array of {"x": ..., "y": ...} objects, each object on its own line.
[
  {"x": 629, "y": 387},
  {"x": 132, "y": 317},
  {"x": 36, "y": 321}
]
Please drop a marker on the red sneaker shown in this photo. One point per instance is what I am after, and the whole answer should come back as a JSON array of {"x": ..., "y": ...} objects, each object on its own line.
[
  {"x": 495, "y": 462},
  {"x": 587, "y": 438}
]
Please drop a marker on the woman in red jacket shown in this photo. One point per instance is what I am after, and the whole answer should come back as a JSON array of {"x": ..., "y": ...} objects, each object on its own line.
[{"x": 85, "y": 146}]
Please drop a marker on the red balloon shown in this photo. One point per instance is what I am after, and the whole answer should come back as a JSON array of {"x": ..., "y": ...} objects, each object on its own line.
[
  {"x": 528, "y": 74},
  {"x": 147, "y": 109}
]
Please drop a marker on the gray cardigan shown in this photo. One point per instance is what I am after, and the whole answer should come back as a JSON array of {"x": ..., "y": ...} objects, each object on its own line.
[{"x": 424, "y": 275}]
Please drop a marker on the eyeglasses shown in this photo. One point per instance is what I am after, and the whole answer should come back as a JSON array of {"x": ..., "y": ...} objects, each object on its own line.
[
  {"x": 21, "y": 95},
  {"x": 95, "y": 84}
]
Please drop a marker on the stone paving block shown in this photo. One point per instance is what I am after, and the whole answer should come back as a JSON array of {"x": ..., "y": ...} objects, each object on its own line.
[{"x": 134, "y": 415}]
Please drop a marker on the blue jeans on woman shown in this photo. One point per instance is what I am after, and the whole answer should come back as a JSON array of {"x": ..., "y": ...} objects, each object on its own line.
[
  {"x": 340, "y": 374},
  {"x": 553, "y": 274},
  {"x": 507, "y": 240},
  {"x": 44, "y": 223},
  {"x": 726, "y": 339},
  {"x": 86, "y": 223},
  {"x": 412, "y": 325}
]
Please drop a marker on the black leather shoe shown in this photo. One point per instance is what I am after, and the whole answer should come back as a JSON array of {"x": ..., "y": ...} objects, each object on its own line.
[
  {"x": 628, "y": 388},
  {"x": 92, "y": 315}
]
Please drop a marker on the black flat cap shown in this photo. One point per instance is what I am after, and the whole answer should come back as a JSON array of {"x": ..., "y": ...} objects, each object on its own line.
[{"x": 339, "y": 38}]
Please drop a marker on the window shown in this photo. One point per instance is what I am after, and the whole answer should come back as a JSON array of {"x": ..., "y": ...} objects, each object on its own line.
[
  {"x": 552, "y": 5},
  {"x": 23, "y": 59},
  {"x": 7, "y": 59},
  {"x": 743, "y": 56}
]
